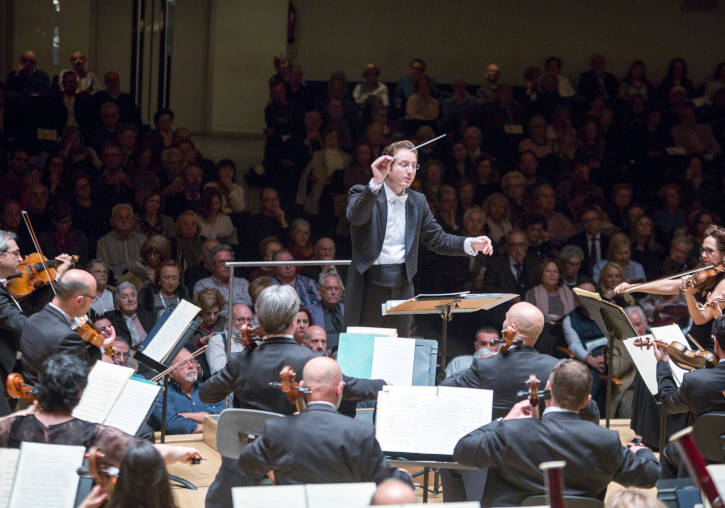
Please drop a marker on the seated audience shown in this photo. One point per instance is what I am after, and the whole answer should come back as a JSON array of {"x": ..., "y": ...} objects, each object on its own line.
[
  {"x": 215, "y": 224},
  {"x": 305, "y": 287},
  {"x": 619, "y": 252},
  {"x": 165, "y": 291},
  {"x": 483, "y": 347},
  {"x": 104, "y": 298},
  {"x": 232, "y": 193},
  {"x": 329, "y": 311},
  {"x": 130, "y": 321},
  {"x": 371, "y": 91},
  {"x": 188, "y": 241},
  {"x": 303, "y": 321},
  {"x": 210, "y": 301},
  {"x": 121, "y": 248},
  {"x": 422, "y": 105},
  {"x": 150, "y": 221},
  {"x": 219, "y": 256},
  {"x": 216, "y": 355}
]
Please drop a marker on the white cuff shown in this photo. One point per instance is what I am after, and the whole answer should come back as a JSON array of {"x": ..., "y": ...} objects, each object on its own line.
[
  {"x": 467, "y": 247},
  {"x": 375, "y": 188}
]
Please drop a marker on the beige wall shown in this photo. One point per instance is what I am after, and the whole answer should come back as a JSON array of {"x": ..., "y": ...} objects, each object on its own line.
[{"x": 462, "y": 36}]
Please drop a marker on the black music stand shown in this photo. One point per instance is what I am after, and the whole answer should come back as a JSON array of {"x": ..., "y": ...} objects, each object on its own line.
[{"x": 614, "y": 323}]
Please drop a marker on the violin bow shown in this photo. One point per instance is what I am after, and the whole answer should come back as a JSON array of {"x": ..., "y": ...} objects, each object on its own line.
[
  {"x": 36, "y": 244},
  {"x": 175, "y": 366}
]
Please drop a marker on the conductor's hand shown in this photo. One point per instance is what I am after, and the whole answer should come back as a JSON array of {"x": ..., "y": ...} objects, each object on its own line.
[
  {"x": 520, "y": 410},
  {"x": 482, "y": 244},
  {"x": 381, "y": 167}
]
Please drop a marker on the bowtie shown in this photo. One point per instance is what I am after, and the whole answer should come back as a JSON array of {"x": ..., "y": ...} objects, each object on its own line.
[{"x": 397, "y": 198}]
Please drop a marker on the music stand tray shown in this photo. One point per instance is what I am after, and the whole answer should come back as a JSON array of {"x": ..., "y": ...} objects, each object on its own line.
[{"x": 445, "y": 305}]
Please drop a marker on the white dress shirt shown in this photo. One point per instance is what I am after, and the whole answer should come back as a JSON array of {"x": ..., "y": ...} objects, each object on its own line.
[{"x": 393, "y": 250}]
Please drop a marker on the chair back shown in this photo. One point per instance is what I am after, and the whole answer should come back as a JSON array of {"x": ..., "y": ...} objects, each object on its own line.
[
  {"x": 237, "y": 427},
  {"x": 570, "y": 501},
  {"x": 709, "y": 435}
]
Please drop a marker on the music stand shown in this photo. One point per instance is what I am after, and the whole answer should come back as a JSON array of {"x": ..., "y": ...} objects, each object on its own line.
[
  {"x": 613, "y": 322},
  {"x": 445, "y": 305}
]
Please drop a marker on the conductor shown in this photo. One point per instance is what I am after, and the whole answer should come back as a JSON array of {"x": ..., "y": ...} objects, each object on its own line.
[{"x": 387, "y": 223}]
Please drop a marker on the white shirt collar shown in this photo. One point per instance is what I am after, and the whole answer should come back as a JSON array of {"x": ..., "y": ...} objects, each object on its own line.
[
  {"x": 557, "y": 409},
  {"x": 322, "y": 402}
]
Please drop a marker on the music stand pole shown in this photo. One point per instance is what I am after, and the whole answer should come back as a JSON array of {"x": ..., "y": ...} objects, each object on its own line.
[
  {"x": 163, "y": 408},
  {"x": 612, "y": 334},
  {"x": 446, "y": 314}
]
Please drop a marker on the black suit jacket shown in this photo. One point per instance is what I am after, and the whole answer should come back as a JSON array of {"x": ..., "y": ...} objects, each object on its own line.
[
  {"x": 47, "y": 333},
  {"x": 580, "y": 240},
  {"x": 249, "y": 373},
  {"x": 12, "y": 322},
  {"x": 700, "y": 392},
  {"x": 500, "y": 279},
  {"x": 589, "y": 85},
  {"x": 318, "y": 445},
  {"x": 368, "y": 215},
  {"x": 513, "y": 450},
  {"x": 506, "y": 375},
  {"x": 119, "y": 324}
]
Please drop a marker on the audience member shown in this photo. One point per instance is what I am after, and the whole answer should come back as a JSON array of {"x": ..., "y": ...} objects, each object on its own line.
[
  {"x": 216, "y": 355},
  {"x": 121, "y": 248},
  {"x": 130, "y": 321},
  {"x": 219, "y": 279},
  {"x": 305, "y": 287}
]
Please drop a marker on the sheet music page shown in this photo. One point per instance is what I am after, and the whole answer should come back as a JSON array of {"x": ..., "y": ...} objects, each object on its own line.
[
  {"x": 454, "y": 504},
  {"x": 355, "y": 354},
  {"x": 369, "y": 330},
  {"x": 644, "y": 360},
  {"x": 717, "y": 471},
  {"x": 442, "y": 415},
  {"x": 174, "y": 327},
  {"x": 393, "y": 360},
  {"x": 669, "y": 334},
  {"x": 105, "y": 384},
  {"x": 289, "y": 496},
  {"x": 46, "y": 476},
  {"x": 132, "y": 406},
  {"x": 8, "y": 465},
  {"x": 339, "y": 495}
]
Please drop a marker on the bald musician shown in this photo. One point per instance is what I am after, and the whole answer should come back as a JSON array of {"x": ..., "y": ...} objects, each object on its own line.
[
  {"x": 52, "y": 330},
  {"x": 318, "y": 445},
  {"x": 393, "y": 491},
  {"x": 513, "y": 447}
]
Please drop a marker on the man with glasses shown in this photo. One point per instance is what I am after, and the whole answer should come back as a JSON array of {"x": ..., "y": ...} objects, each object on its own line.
[
  {"x": 387, "y": 224},
  {"x": 216, "y": 355},
  {"x": 184, "y": 412},
  {"x": 12, "y": 319},
  {"x": 329, "y": 312},
  {"x": 52, "y": 330}
]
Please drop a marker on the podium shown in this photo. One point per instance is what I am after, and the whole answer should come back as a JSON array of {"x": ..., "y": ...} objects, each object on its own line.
[
  {"x": 613, "y": 322},
  {"x": 445, "y": 305}
]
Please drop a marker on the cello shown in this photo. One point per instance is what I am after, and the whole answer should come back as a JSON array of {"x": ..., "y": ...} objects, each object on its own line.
[{"x": 508, "y": 339}]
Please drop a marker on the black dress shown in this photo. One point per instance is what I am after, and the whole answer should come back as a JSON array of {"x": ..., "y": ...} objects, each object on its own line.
[
  {"x": 646, "y": 416},
  {"x": 701, "y": 333}
]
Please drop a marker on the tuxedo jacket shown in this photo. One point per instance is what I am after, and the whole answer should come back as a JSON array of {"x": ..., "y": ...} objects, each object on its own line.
[
  {"x": 318, "y": 445},
  {"x": 506, "y": 374},
  {"x": 46, "y": 333},
  {"x": 368, "y": 215},
  {"x": 513, "y": 450},
  {"x": 699, "y": 393},
  {"x": 249, "y": 373}
]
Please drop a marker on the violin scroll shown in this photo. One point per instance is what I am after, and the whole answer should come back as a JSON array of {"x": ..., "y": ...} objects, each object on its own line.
[
  {"x": 533, "y": 384},
  {"x": 17, "y": 389},
  {"x": 289, "y": 386},
  {"x": 508, "y": 339},
  {"x": 249, "y": 336}
]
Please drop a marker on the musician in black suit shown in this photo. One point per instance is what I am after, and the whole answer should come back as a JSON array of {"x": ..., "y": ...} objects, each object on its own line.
[
  {"x": 700, "y": 392},
  {"x": 592, "y": 241},
  {"x": 318, "y": 445},
  {"x": 513, "y": 447},
  {"x": 50, "y": 330},
  {"x": 249, "y": 373},
  {"x": 387, "y": 222}
]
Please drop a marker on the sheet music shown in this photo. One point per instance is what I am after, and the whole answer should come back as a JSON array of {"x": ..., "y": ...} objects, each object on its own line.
[
  {"x": 717, "y": 472},
  {"x": 105, "y": 383},
  {"x": 442, "y": 415},
  {"x": 369, "y": 330},
  {"x": 46, "y": 476},
  {"x": 289, "y": 496},
  {"x": 339, "y": 495},
  {"x": 133, "y": 405},
  {"x": 645, "y": 361},
  {"x": 393, "y": 360},
  {"x": 166, "y": 338},
  {"x": 8, "y": 465},
  {"x": 454, "y": 504}
]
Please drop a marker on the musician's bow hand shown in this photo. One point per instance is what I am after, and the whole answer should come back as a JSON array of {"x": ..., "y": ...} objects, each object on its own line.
[
  {"x": 661, "y": 353},
  {"x": 381, "y": 167},
  {"x": 482, "y": 244},
  {"x": 110, "y": 333},
  {"x": 521, "y": 409},
  {"x": 624, "y": 286}
]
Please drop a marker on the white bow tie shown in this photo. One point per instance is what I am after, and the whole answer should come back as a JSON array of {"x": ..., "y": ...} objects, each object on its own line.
[{"x": 398, "y": 197}]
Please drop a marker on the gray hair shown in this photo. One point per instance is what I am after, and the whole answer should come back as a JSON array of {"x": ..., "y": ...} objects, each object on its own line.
[
  {"x": 297, "y": 223},
  {"x": 4, "y": 237},
  {"x": 569, "y": 251},
  {"x": 324, "y": 275},
  {"x": 123, "y": 285},
  {"x": 220, "y": 248},
  {"x": 276, "y": 308},
  {"x": 635, "y": 308}
]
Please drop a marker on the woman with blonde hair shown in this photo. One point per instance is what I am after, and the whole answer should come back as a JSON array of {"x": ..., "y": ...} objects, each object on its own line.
[{"x": 619, "y": 252}]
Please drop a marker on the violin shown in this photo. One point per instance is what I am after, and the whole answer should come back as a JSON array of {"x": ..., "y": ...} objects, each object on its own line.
[
  {"x": 533, "y": 384},
  {"x": 508, "y": 339},
  {"x": 705, "y": 279},
  {"x": 102, "y": 472},
  {"x": 249, "y": 336},
  {"x": 91, "y": 335},
  {"x": 32, "y": 275},
  {"x": 289, "y": 385},
  {"x": 17, "y": 389},
  {"x": 679, "y": 353}
]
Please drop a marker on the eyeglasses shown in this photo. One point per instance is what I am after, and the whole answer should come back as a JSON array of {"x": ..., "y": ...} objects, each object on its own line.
[
  {"x": 93, "y": 298},
  {"x": 708, "y": 251},
  {"x": 15, "y": 253},
  {"x": 243, "y": 320}
]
